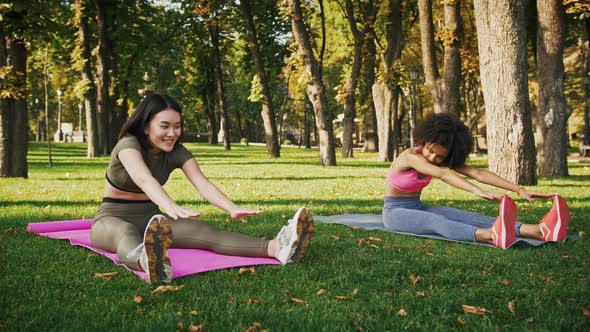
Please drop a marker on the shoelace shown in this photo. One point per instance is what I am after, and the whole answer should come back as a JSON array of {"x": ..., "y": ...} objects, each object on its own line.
[{"x": 135, "y": 251}]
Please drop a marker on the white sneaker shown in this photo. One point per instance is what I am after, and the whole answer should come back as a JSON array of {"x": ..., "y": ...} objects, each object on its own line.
[
  {"x": 293, "y": 239},
  {"x": 157, "y": 239}
]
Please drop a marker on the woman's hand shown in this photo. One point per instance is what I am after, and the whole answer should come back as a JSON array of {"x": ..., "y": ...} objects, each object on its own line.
[
  {"x": 490, "y": 196},
  {"x": 529, "y": 195},
  {"x": 240, "y": 212},
  {"x": 176, "y": 211}
]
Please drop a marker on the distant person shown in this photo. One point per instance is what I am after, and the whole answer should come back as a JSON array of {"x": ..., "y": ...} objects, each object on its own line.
[
  {"x": 130, "y": 222},
  {"x": 443, "y": 145}
]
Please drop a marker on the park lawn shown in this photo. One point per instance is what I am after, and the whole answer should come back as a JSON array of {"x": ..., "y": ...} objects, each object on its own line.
[{"x": 400, "y": 282}]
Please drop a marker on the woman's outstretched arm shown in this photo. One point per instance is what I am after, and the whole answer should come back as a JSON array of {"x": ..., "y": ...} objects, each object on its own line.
[
  {"x": 211, "y": 193},
  {"x": 141, "y": 175}
]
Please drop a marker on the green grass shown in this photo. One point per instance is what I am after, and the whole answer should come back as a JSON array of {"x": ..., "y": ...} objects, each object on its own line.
[{"x": 47, "y": 284}]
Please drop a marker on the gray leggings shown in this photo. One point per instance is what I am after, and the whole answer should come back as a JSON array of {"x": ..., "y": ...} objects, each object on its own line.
[
  {"x": 409, "y": 215},
  {"x": 119, "y": 226}
]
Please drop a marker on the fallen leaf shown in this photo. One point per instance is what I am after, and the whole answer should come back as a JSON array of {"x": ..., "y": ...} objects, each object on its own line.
[
  {"x": 505, "y": 281},
  {"x": 488, "y": 269},
  {"x": 469, "y": 309},
  {"x": 284, "y": 216},
  {"x": 244, "y": 221},
  {"x": 402, "y": 312},
  {"x": 105, "y": 276},
  {"x": 234, "y": 280},
  {"x": 375, "y": 239},
  {"x": 511, "y": 306},
  {"x": 355, "y": 291},
  {"x": 140, "y": 311},
  {"x": 547, "y": 279},
  {"x": 179, "y": 313},
  {"x": 421, "y": 294},
  {"x": 167, "y": 288},
  {"x": 357, "y": 326},
  {"x": 581, "y": 234},
  {"x": 250, "y": 270},
  {"x": 321, "y": 292},
  {"x": 340, "y": 297},
  {"x": 415, "y": 279},
  {"x": 253, "y": 327},
  {"x": 250, "y": 301},
  {"x": 196, "y": 328},
  {"x": 193, "y": 313},
  {"x": 138, "y": 298},
  {"x": 358, "y": 228},
  {"x": 297, "y": 300},
  {"x": 429, "y": 254},
  {"x": 179, "y": 326},
  {"x": 361, "y": 241},
  {"x": 232, "y": 299},
  {"x": 228, "y": 221},
  {"x": 10, "y": 229},
  {"x": 335, "y": 237},
  {"x": 586, "y": 312},
  {"x": 461, "y": 320}
]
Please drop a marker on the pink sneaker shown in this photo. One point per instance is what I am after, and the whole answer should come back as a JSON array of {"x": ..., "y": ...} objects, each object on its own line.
[
  {"x": 554, "y": 223},
  {"x": 503, "y": 233}
]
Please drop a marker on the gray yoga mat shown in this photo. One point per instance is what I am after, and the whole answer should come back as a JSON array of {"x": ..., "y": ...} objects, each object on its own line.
[{"x": 373, "y": 222}]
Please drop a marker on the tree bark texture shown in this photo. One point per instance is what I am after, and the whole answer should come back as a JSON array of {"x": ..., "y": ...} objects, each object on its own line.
[
  {"x": 13, "y": 111},
  {"x": 88, "y": 80},
  {"x": 268, "y": 112},
  {"x": 552, "y": 112},
  {"x": 501, "y": 35},
  {"x": 444, "y": 90},
  {"x": 222, "y": 104},
  {"x": 103, "y": 79},
  {"x": 385, "y": 96},
  {"x": 371, "y": 143},
  {"x": 315, "y": 86}
]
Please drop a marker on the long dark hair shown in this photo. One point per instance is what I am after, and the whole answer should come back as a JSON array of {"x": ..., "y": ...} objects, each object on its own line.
[
  {"x": 447, "y": 130},
  {"x": 144, "y": 113}
]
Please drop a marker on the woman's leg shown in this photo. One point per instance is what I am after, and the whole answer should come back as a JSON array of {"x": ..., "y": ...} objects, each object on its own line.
[
  {"x": 189, "y": 233},
  {"x": 467, "y": 217},
  {"x": 116, "y": 235},
  {"x": 426, "y": 223}
]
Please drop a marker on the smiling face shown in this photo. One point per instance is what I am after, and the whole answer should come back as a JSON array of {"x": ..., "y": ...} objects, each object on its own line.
[
  {"x": 435, "y": 153},
  {"x": 163, "y": 131}
]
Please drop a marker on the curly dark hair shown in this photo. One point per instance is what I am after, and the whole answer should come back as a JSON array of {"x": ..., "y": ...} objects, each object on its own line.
[{"x": 447, "y": 130}]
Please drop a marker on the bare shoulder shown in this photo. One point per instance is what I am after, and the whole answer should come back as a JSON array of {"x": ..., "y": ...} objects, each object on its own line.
[{"x": 403, "y": 161}]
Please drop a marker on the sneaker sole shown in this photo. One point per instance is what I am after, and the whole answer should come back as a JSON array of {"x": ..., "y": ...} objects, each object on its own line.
[
  {"x": 508, "y": 216},
  {"x": 305, "y": 229},
  {"x": 562, "y": 212},
  {"x": 157, "y": 241}
]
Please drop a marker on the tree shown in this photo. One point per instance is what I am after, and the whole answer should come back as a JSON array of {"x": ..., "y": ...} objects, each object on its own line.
[
  {"x": 103, "y": 76},
  {"x": 371, "y": 142},
  {"x": 385, "y": 90},
  {"x": 86, "y": 88},
  {"x": 358, "y": 36},
  {"x": 13, "y": 103},
  {"x": 444, "y": 90},
  {"x": 552, "y": 112},
  {"x": 315, "y": 85},
  {"x": 268, "y": 113},
  {"x": 503, "y": 65}
]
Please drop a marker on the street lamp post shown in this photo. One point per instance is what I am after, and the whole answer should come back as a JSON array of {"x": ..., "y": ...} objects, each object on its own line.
[
  {"x": 414, "y": 78},
  {"x": 59, "y": 132}
]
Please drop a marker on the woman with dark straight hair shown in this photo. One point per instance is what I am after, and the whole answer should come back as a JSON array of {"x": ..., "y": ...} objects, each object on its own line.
[{"x": 130, "y": 222}]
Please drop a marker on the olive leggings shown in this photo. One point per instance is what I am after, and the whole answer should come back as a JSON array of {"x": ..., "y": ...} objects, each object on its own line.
[{"x": 119, "y": 226}]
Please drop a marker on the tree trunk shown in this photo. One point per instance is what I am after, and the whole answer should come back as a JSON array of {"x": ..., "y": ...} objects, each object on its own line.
[
  {"x": 444, "y": 91},
  {"x": 268, "y": 112},
  {"x": 13, "y": 109},
  {"x": 385, "y": 96},
  {"x": 371, "y": 143},
  {"x": 315, "y": 85},
  {"x": 87, "y": 79},
  {"x": 103, "y": 65},
  {"x": 225, "y": 124},
  {"x": 501, "y": 35},
  {"x": 552, "y": 113},
  {"x": 586, "y": 52}
]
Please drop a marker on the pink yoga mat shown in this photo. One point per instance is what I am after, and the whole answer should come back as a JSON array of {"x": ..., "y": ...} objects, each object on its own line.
[{"x": 184, "y": 261}]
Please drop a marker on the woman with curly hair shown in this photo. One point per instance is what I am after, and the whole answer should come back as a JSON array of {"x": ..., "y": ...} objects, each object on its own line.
[{"x": 443, "y": 145}]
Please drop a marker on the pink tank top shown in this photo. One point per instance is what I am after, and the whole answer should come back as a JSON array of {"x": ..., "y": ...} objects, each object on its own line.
[{"x": 407, "y": 181}]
